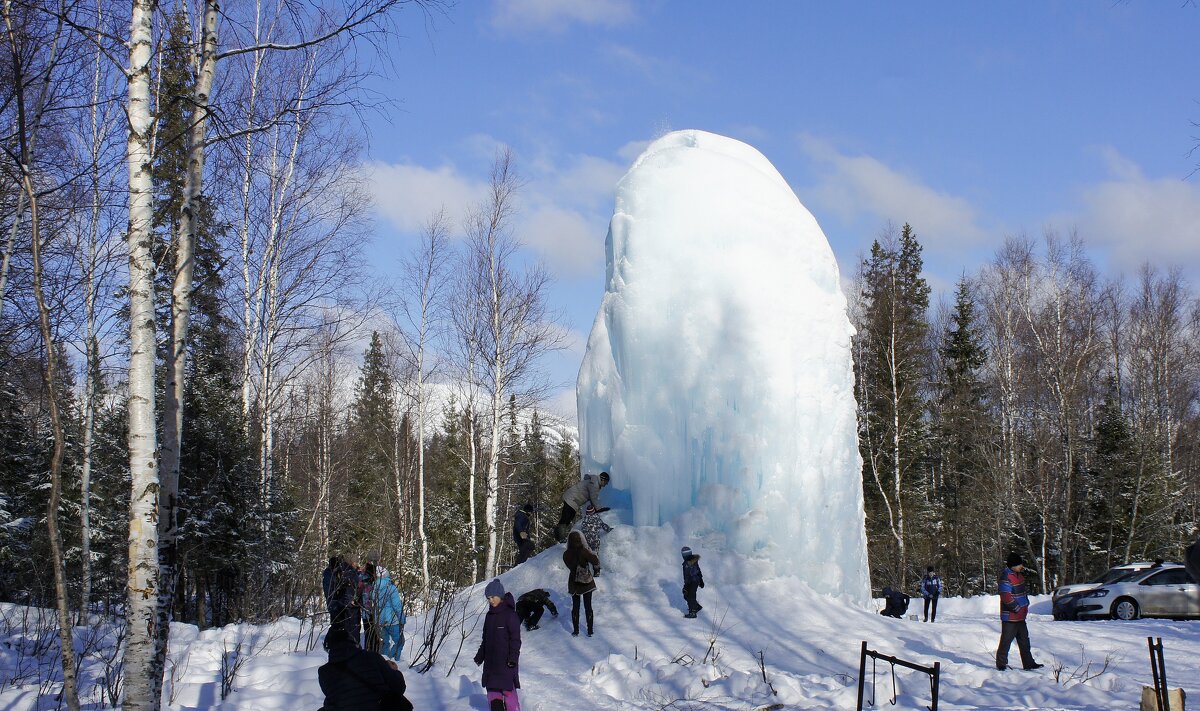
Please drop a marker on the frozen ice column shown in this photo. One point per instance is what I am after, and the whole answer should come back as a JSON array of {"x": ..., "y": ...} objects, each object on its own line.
[{"x": 717, "y": 380}]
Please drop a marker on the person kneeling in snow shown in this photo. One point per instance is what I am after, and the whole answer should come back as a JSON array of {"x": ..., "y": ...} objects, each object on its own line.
[
  {"x": 355, "y": 679},
  {"x": 692, "y": 578},
  {"x": 531, "y": 605},
  {"x": 895, "y": 603}
]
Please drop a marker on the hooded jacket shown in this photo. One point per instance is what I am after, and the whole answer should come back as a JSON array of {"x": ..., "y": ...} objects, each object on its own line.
[
  {"x": 389, "y": 607},
  {"x": 587, "y": 489},
  {"x": 356, "y": 679},
  {"x": 578, "y": 554},
  {"x": 501, "y": 646}
]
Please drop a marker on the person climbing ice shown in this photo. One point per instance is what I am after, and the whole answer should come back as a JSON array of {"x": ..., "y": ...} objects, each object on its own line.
[
  {"x": 592, "y": 526},
  {"x": 587, "y": 489}
]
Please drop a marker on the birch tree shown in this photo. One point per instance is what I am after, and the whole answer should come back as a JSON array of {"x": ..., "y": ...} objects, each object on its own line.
[
  {"x": 518, "y": 327},
  {"x": 425, "y": 274}
]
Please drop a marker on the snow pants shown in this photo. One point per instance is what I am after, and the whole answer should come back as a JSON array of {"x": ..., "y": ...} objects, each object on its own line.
[
  {"x": 928, "y": 602},
  {"x": 564, "y": 522},
  {"x": 689, "y": 594},
  {"x": 507, "y": 700},
  {"x": 524, "y": 549},
  {"x": 1008, "y": 632},
  {"x": 393, "y": 640}
]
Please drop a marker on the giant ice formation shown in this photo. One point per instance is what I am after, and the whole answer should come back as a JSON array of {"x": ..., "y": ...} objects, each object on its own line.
[{"x": 717, "y": 384}]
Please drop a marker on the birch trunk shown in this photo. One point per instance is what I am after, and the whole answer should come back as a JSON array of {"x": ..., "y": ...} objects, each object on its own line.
[
  {"x": 91, "y": 363},
  {"x": 204, "y": 65},
  {"x": 141, "y": 610}
]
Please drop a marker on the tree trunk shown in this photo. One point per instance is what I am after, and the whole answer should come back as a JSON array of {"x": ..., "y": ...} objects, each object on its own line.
[
  {"x": 181, "y": 305},
  {"x": 141, "y": 611}
]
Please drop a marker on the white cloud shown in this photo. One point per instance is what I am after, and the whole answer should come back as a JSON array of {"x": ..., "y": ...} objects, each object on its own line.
[
  {"x": 1138, "y": 219},
  {"x": 858, "y": 186},
  {"x": 558, "y": 15},
  {"x": 562, "y": 211},
  {"x": 406, "y": 194},
  {"x": 567, "y": 239}
]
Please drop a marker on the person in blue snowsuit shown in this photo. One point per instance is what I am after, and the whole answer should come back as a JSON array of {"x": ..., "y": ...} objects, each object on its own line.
[{"x": 389, "y": 611}]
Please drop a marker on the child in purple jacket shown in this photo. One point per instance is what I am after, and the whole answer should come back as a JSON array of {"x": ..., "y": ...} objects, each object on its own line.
[{"x": 500, "y": 650}]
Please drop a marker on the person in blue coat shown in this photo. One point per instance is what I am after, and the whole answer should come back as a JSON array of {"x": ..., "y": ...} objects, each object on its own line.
[
  {"x": 931, "y": 590},
  {"x": 389, "y": 611},
  {"x": 521, "y": 534}
]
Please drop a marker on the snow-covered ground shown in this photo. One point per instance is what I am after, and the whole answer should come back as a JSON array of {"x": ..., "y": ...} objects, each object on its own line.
[{"x": 810, "y": 645}]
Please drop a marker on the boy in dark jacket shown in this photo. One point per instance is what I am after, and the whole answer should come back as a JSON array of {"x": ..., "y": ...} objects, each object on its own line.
[
  {"x": 521, "y": 534},
  {"x": 692, "y": 578},
  {"x": 356, "y": 679},
  {"x": 531, "y": 605},
  {"x": 500, "y": 649}
]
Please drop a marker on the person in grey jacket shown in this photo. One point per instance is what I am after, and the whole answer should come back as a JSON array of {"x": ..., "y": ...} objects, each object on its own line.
[{"x": 574, "y": 498}]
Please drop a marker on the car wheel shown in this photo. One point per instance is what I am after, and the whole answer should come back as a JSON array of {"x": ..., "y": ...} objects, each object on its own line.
[{"x": 1125, "y": 609}]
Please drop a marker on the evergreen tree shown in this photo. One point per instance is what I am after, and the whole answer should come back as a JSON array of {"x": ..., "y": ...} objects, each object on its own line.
[
  {"x": 892, "y": 385},
  {"x": 369, "y": 488},
  {"x": 961, "y": 432}
]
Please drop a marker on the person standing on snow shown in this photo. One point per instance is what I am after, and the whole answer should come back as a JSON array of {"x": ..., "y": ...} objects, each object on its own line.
[
  {"x": 389, "y": 614},
  {"x": 1014, "y": 606},
  {"x": 693, "y": 578},
  {"x": 521, "y": 534},
  {"x": 931, "y": 590},
  {"x": 500, "y": 649},
  {"x": 327, "y": 579},
  {"x": 591, "y": 527},
  {"x": 580, "y": 562},
  {"x": 531, "y": 605},
  {"x": 587, "y": 489},
  {"x": 370, "y": 614},
  {"x": 1191, "y": 560}
]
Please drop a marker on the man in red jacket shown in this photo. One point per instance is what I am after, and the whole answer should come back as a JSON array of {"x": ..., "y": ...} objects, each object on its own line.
[{"x": 1014, "y": 605}]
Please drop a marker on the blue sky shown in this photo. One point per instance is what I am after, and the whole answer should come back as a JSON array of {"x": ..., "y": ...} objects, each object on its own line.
[{"x": 970, "y": 121}]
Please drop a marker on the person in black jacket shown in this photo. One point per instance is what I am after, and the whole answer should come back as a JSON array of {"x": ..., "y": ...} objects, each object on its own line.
[
  {"x": 356, "y": 679},
  {"x": 521, "y": 534},
  {"x": 343, "y": 589},
  {"x": 692, "y": 578},
  {"x": 895, "y": 604},
  {"x": 531, "y": 605}
]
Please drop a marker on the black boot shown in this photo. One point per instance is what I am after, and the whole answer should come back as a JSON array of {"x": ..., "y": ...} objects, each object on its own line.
[
  {"x": 575, "y": 622},
  {"x": 589, "y": 622}
]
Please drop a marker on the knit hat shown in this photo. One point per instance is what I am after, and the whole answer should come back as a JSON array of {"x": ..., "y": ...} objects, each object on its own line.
[
  {"x": 494, "y": 589},
  {"x": 590, "y": 508},
  {"x": 686, "y": 552},
  {"x": 1014, "y": 559},
  {"x": 929, "y": 569},
  {"x": 604, "y": 476}
]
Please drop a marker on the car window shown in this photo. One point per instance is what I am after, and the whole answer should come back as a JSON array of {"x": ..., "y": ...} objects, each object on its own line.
[
  {"x": 1176, "y": 576},
  {"x": 1127, "y": 576}
]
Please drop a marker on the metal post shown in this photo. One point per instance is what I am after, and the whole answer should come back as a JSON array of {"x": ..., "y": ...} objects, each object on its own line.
[
  {"x": 862, "y": 670},
  {"x": 937, "y": 675}
]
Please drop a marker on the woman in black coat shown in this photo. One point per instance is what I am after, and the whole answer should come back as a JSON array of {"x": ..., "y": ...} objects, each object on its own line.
[
  {"x": 581, "y": 564},
  {"x": 500, "y": 649}
]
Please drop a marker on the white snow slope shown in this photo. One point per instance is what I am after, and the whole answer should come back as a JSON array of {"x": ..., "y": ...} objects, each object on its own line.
[
  {"x": 810, "y": 645},
  {"x": 718, "y": 377}
]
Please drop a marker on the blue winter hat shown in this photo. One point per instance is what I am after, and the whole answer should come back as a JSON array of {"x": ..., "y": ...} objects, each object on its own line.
[
  {"x": 686, "y": 552},
  {"x": 494, "y": 589}
]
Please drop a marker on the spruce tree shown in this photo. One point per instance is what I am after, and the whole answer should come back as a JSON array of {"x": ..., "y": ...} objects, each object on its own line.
[
  {"x": 369, "y": 489},
  {"x": 961, "y": 432},
  {"x": 892, "y": 385}
]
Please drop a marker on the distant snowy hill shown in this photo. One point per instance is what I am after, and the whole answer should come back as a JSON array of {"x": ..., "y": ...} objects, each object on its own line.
[{"x": 645, "y": 655}]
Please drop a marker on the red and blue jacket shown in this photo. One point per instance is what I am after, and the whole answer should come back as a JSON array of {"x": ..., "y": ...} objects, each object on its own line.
[{"x": 1014, "y": 601}]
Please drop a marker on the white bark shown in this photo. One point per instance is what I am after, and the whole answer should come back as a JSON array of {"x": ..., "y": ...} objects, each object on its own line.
[{"x": 141, "y": 611}]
